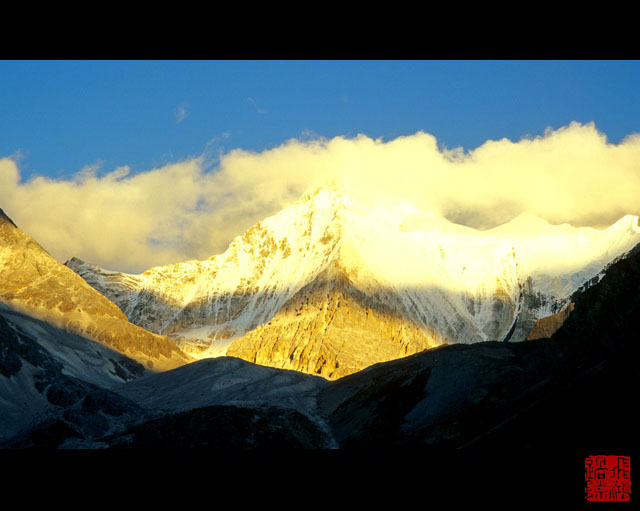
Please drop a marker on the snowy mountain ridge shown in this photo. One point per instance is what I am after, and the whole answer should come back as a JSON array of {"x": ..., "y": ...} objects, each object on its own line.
[{"x": 460, "y": 284}]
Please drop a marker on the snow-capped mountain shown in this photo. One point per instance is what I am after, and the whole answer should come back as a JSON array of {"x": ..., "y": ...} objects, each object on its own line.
[{"x": 327, "y": 286}]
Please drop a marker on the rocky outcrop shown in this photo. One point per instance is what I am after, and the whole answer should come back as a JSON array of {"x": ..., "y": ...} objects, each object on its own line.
[{"x": 545, "y": 327}]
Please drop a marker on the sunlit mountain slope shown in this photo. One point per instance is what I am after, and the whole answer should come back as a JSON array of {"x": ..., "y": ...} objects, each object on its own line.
[{"x": 34, "y": 283}]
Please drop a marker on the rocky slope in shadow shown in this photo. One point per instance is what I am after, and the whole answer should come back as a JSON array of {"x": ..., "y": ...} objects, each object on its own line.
[{"x": 48, "y": 398}]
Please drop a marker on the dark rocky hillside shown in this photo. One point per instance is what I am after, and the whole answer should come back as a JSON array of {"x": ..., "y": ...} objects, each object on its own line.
[{"x": 42, "y": 407}]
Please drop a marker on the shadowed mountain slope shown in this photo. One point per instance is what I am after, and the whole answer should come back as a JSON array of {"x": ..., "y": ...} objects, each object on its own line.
[{"x": 54, "y": 385}]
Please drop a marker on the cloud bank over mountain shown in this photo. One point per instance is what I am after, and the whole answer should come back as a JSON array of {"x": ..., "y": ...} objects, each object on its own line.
[{"x": 192, "y": 209}]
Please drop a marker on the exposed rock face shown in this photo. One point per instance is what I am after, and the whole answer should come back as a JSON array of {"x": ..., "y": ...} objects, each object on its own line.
[
  {"x": 332, "y": 329},
  {"x": 33, "y": 282},
  {"x": 547, "y": 326}
]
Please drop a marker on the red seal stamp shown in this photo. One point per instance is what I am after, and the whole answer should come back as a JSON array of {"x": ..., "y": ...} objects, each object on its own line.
[{"x": 607, "y": 478}]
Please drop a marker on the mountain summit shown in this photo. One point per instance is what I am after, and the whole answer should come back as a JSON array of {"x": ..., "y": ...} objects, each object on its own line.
[
  {"x": 328, "y": 286},
  {"x": 4, "y": 218}
]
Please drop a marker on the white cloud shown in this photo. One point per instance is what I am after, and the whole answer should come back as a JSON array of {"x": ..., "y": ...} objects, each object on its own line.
[
  {"x": 188, "y": 210},
  {"x": 180, "y": 113},
  {"x": 218, "y": 139},
  {"x": 258, "y": 109}
]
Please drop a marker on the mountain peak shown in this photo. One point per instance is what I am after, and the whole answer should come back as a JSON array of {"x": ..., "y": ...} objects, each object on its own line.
[
  {"x": 526, "y": 223},
  {"x": 328, "y": 189},
  {"x": 324, "y": 197},
  {"x": 74, "y": 261},
  {"x": 5, "y": 219},
  {"x": 627, "y": 222}
]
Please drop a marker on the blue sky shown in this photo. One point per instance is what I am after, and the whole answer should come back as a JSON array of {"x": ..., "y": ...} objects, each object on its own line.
[{"x": 58, "y": 116}]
